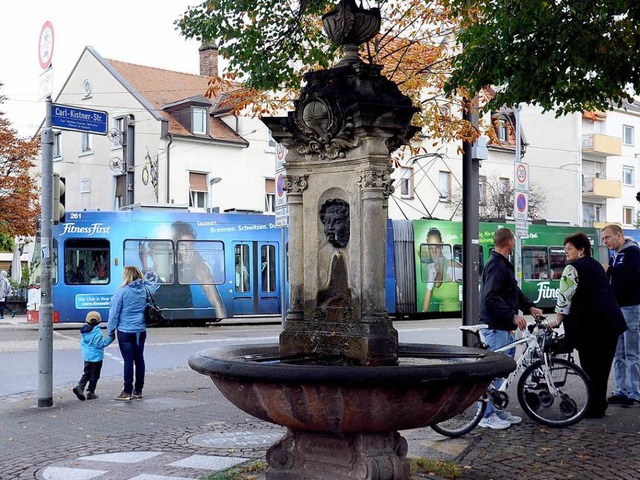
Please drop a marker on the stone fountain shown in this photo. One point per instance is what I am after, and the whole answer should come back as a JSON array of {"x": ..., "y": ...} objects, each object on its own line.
[{"x": 338, "y": 379}]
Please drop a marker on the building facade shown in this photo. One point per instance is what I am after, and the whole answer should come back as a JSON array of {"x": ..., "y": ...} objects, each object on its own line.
[{"x": 166, "y": 144}]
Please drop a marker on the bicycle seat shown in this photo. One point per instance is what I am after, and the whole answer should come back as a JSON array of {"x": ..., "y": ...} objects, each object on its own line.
[{"x": 473, "y": 328}]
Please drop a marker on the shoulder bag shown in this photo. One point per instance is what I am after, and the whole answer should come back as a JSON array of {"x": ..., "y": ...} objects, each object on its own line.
[{"x": 152, "y": 313}]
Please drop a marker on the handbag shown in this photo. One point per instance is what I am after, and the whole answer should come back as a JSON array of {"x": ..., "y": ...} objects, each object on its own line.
[{"x": 152, "y": 313}]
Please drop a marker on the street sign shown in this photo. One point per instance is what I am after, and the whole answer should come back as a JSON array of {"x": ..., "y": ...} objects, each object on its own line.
[
  {"x": 45, "y": 45},
  {"x": 282, "y": 216},
  {"x": 522, "y": 228},
  {"x": 66, "y": 117},
  {"x": 521, "y": 210},
  {"x": 45, "y": 85},
  {"x": 281, "y": 154},
  {"x": 281, "y": 194},
  {"x": 521, "y": 177}
]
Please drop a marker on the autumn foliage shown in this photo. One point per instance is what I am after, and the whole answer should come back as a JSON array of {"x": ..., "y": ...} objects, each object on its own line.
[{"x": 19, "y": 193}]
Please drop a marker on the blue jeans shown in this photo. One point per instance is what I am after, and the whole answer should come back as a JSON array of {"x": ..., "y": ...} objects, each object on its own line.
[
  {"x": 626, "y": 362},
  {"x": 132, "y": 350},
  {"x": 496, "y": 339}
]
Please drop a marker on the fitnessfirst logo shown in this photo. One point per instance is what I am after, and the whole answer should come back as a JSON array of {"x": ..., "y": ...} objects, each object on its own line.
[
  {"x": 93, "y": 229},
  {"x": 544, "y": 291}
]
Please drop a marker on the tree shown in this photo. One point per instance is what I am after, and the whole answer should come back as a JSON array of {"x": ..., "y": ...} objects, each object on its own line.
[
  {"x": 270, "y": 44},
  {"x": 568, "y": 55},
  {"x": 497, "y": 200},
  {"x": 19, "y": 204}
]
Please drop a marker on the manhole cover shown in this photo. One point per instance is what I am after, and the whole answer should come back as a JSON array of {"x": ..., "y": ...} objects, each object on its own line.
[{"x": 244, "y": 439}]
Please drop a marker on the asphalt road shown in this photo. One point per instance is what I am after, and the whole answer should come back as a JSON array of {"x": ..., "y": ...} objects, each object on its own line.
[{"x": 166, "y": 348}]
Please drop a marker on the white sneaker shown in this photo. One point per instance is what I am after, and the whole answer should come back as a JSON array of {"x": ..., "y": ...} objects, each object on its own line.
[
  {"x": 507, "y": 417},
  {"x": 495, "y": 422}
]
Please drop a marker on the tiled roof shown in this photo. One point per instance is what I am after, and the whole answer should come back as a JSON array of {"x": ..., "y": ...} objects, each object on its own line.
[{"x": 163, "y": 87}]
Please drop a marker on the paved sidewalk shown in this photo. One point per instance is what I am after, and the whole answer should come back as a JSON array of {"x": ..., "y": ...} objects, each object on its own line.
[{"x": 184, "y": 430}]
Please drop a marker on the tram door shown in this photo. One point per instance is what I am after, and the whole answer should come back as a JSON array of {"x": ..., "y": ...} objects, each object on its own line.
[{"x": 256, "y": 288}]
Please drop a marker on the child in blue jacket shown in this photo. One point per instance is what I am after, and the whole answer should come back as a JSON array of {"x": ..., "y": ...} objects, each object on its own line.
[{"x": 93, "y": 345}]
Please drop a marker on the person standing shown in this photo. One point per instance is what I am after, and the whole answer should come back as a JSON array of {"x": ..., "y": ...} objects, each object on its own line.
[
  {"x": 126, "y": 316},
  {"x": 500, "y": 302},
  {"x": 624, "y": 275},
  {"x": 592, "y": 319},
  {"x": 93, "y": 344},
  {"x": 5, "y": 291}
]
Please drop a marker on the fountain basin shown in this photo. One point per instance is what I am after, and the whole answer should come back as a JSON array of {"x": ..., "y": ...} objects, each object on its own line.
[{"x": 430, "y": 383}]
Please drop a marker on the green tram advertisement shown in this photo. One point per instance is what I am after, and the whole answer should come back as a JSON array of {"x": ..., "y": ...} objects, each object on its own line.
[{"x": 438, "y": 261}]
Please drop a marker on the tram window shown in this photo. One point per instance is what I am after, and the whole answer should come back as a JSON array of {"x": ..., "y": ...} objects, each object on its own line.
[
  {"x": 437, "y": 263},
  {"x": 200, "y": 262},
  {"x": 86, "y": 261},
  {"x": 241, "y": 255},
  {"x": 558, "y": 261},
  {"x": 35, "y": 271},
  {"x": 535, "y": 265},
  {"x": 153, "y": 257},
  {"x": 268, "y": 267},
  {"x": 457, "y": 255}
]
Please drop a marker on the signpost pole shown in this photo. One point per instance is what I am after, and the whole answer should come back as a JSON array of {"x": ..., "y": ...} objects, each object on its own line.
[
  {"x": 520, "y": 198},
  {"x": 282, "y": 217},
  {"x": 45, "y": 329}
]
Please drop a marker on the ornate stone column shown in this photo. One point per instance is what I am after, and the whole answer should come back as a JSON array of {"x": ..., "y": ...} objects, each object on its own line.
[
  {"x": 345, "y": 124},
  {"x": 294, "y": 186}
]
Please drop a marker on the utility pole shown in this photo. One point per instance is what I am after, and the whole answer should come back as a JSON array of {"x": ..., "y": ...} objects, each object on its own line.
[
  {"x": 45, "y": 330},
  {"x": 470, "y": 224}
]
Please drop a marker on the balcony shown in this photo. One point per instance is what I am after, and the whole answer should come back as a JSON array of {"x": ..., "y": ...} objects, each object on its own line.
[
  {"x": 601, "y": 145},
  {"x": 601, "y": 188}
]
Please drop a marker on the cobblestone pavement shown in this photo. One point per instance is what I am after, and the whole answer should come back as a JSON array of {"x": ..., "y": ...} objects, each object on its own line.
[{"x": 184, "y": 430}]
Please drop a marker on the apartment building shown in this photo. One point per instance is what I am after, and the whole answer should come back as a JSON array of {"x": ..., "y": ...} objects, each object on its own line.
[{"x": 167, "y": 143}]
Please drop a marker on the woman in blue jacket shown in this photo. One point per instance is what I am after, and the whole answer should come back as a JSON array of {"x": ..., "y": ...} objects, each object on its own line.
[{"x": 126, "y": 315}]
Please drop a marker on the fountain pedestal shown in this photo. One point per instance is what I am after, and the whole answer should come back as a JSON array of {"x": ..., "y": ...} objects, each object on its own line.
[
  {"x": 338, "y": 379},
  {"x": 315, "y": 456}
]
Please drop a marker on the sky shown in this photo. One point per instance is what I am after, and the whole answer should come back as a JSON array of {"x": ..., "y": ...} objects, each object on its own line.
[{"x": 134, "y": 31}]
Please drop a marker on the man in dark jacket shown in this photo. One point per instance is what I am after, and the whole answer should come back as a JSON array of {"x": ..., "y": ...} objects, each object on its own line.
[
  {"x": 624, "y": 276},
  {"x": 500, "y": 302}
]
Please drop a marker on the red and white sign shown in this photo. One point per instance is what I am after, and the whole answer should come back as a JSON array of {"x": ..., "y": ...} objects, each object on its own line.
[
  {"x": 281, "y": 194},
  {"x": 281, "y": 154},
  {"x": 521, "y": 177},
  {"x": 45, "y": 45}
]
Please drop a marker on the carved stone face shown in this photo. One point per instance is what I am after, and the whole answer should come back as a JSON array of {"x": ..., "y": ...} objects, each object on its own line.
[{"x": 334, "y": 215}]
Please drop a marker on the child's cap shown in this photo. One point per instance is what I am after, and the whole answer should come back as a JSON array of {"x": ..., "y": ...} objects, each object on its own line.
[{"x": 93, "y": 318}]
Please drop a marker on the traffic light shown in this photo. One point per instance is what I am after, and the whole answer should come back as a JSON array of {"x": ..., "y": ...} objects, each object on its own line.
[
  {"x": 58, "y": 198},
  {"x": 638, "y": 196}
]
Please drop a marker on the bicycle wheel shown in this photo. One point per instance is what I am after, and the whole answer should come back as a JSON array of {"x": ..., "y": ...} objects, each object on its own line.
[
  {"x": 463, "y": 422},
  {"x": 558, "y": 405}
]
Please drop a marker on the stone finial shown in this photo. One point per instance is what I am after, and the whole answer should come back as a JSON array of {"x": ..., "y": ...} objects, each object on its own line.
[{"x": 350, "y": 26}]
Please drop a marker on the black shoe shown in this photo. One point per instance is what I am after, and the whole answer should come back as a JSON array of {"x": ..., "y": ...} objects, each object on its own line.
[
  {"x": 617, "y": 399},
  {"x": 91, "y": 396},
  {"x": 136, "y": 395},
  {"x": 78, "y": 390},
  {"x": 630, "y": 402}
]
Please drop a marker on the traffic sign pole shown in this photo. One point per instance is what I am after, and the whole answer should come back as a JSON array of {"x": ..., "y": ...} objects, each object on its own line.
[
  {"x": 45, "y": 325},
  {"x": 521, "y": 197},
  {"x": 282, "y": 220}
]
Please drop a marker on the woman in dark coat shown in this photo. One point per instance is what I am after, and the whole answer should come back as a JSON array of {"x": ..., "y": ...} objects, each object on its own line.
[{"x": 592, "y": 319}]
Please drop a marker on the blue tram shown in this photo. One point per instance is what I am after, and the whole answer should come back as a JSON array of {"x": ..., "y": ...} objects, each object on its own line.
[
  {"x": 211, "y": 266},
  {"x": 207, "y": 266}
]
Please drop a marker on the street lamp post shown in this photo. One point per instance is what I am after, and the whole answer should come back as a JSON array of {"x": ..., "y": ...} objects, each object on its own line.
[{"x": 212, "y": 182}]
